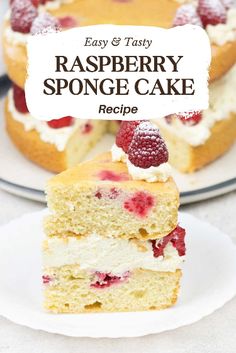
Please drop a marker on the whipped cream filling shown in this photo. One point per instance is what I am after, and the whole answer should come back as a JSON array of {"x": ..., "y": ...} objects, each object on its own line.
[
  {"x": 96, "y": 253},
  {"x": 225, "y": 32},
  {"x": 222, "y": 102},
  {"x": 117, "y": 154},
  {"x": 151, "y": 174},
  {"x": 15, "y": 38},
  {"x": 57, "y": 137}
]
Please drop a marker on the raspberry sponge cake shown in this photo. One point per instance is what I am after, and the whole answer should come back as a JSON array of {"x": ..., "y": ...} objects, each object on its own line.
[
  {"x": 63, "y": 144},
  {"x": 112, "y": 242}
]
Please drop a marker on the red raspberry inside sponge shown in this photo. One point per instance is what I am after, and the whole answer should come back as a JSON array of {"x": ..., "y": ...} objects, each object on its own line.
[{"x": 140, "y": 203}]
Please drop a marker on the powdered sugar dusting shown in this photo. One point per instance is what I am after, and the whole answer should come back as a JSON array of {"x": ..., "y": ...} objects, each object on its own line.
[
  {"x": 211, "y": 12},
  {"x": 187, "y": 14},
  {"x": 45, "y": 23},
  {"x": 23, "y": 14},
  {"x": 147, "y": 148}
]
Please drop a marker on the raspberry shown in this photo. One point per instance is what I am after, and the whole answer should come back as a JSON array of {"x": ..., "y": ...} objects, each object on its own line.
[
  {"x": 211, "y": 12},
  {"x": 168, "y": 119},
  {"x": 19, "y": 99},
  {"x": 43, "y": 2},
  {"x": 112, "y": 176},
  {"x": 86, "y": 128},
  {"x": 98, "y": 195},
  {"x": 67, "y": 22},
  {"x": 125, "y": 134},
  {"x": 23, "y": 14},
  {"x": 62, "y": 122},
  {"x": 147, "y": 148},
  {"x": 190, "y": 118},
  {"x": 139, "y": 204},
  {"x": 187, "y": 14},
  {"x": 47, "y": 279},
  {"x": 105, "y": 280},
  {"x": 44, "y": 23},
  {"x": 112, "y": 194},
  {"x": 177, "y": 240},
  {"x": 176, "y": 237},
  {"x": 34, "y": 2}
]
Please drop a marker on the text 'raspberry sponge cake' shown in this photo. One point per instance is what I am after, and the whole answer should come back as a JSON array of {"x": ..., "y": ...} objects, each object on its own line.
[
  {"x": 113, "y": 242},
  {"x": 220, "y": 24}
]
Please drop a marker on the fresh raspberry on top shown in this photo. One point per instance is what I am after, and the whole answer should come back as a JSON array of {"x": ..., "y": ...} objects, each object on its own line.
[
  {"x": 23, "y": 13},
  {"x": 35, "y": 2},
  {"x": 62, "y": 122},
  {"x": 187, "y": 14},
  {"x": 43, "y": 2},
  {"x": 19, "y": 99},
  {"x": 168, "y": 119},
  {"x": 44, "y": 23},
  {"x": 211, "y": 12},
  {"x": 125, "y": 134},
  {"x": 190, "y": 118},
  {"x": 147, "y": 148}
]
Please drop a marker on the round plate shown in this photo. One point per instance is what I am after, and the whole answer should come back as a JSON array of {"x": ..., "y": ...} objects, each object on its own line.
[
  {"x": 209, "y": 281},
  {"x": 22, "y": 177}
]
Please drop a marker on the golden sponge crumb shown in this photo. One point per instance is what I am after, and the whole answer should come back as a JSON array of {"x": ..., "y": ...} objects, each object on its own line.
[
  {"x": 70, "y": 291},
  {"x": 46, "y": 154},
  {"x": 188, "y": 158},
  {"x": 82, "y": 213}
]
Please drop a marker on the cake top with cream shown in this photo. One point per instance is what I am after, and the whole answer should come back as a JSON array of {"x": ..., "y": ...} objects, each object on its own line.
[{"x": 102, "y": 170}]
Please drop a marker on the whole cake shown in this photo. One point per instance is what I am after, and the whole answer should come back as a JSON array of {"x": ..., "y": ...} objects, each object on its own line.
[
  {"x": 193, "y": 141},
  {"x": 113, "y": 243}
]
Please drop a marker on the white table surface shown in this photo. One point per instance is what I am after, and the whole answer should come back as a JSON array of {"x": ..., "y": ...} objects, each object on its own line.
[{"x": 213, "y": 334}]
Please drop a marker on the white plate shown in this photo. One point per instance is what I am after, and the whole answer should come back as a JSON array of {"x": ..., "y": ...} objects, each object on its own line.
[
  {"x": 24, "y": 178},
  {"x": 209, "y": 281}
]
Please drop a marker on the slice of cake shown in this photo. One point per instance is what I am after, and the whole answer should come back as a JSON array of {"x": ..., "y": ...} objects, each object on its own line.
[
  {"x": 100, "y": 194},
  {"x": 94, "y": 273},
  {"x": 113, "y": 243}
]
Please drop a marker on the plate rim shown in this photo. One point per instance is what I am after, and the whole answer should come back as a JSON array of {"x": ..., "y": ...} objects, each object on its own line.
[
  {"x": 145, "y": 331},
  {"x": 185, "y": 195}
]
